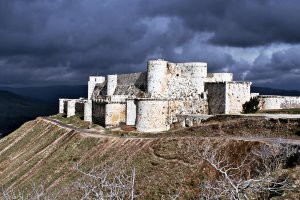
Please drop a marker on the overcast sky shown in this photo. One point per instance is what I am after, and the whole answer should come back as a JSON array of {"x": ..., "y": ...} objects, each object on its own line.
[{"x": 51, "y": 42}]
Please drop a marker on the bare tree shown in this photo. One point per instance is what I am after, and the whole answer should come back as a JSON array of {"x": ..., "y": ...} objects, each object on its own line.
[
  {"x": 107, "y": 183},
  {"x": 250, "y": 178}
]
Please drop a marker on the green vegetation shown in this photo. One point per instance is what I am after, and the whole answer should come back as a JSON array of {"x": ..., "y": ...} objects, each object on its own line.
[
  {"x": 75, "y": 121},
  {"x": 251, "y": 106}
]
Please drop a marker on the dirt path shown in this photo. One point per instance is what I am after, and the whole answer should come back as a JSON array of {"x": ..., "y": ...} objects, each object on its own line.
[{"x": 101, "y": 134}]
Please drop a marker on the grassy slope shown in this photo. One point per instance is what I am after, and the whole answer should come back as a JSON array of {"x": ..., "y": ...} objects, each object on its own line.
[{"x": 43, "y": 152}]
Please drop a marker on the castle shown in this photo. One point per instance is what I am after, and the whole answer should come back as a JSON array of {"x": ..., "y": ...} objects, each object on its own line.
[{"x": 165, "y": 94}]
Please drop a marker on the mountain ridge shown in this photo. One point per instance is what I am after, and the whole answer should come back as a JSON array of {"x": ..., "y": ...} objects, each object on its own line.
[{"x": 274, "y": 91}]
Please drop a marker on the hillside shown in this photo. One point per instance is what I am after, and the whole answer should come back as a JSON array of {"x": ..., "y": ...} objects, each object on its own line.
[
  {"x": 19, "y": 105},
  {"x": 45, "y": 151},
  {"x": 16, "y": 109}
]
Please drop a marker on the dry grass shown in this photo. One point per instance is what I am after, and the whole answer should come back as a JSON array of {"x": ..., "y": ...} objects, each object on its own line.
[{"x": 43, "y": 152}]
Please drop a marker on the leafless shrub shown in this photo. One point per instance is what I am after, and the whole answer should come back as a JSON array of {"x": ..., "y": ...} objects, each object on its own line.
[
  {"x": 250, "y": 178},
  {"x": 36, "y": 192},
  {"x": 273, "y": 157},
  {"x": 172, "y": 195},
  {"x": 107, "y": 183},
  {"x": 104, "y": 184}
]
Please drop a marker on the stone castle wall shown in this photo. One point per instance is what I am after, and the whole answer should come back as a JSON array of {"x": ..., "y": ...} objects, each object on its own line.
[
  {"x": 88, "y": 111},
  {"x": 131, "y": 109},
  {"x": 268, "y": 102},
  {"x": 186, "y": 80},
  {"x": 115, "y": 113},
  {"x": 98, "y": 113},
  {"x": 71, "y": 107},
  {"x": 216, "y": 98},
  {"x": 93, "y": 81},
  {"x": 219, "y": 77},
  {"x": 79, "y": 109},
  {"x": 237, "y": 93},
  {"x": 153, "y": 100},
  {"x": 63, "y": 106},
  {"x": 152, "y": 115},
  {"x": 112, "y": 82},
  {"x": 227, "y": 97},
  {"x": 161, "y": 113},
  {"x": 184, "y": 107}
]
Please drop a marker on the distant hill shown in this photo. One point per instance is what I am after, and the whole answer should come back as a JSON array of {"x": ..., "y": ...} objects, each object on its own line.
[
  {"x": 16, "y": 109},
  {"x": 272, "y": 91},
  {"x": 19, "y": 105},
  {"x": 50, "y": 93}
]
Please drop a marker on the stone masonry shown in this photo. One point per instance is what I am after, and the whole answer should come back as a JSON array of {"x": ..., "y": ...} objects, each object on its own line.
[{"x": 154, "y": 100}]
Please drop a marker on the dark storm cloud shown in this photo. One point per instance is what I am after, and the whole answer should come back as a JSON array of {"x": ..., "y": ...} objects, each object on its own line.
[
  {"x": 235, "y": 22},
  {"x": 281, "y": 69},
  {"x": 65, "y": 41},
  {"x": 89, "y": 36}
]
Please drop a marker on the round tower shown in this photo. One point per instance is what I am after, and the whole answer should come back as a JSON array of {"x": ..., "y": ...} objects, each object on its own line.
[
  {"x": 157, "y": 78},
  {"x": 152, "y": 115}
]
